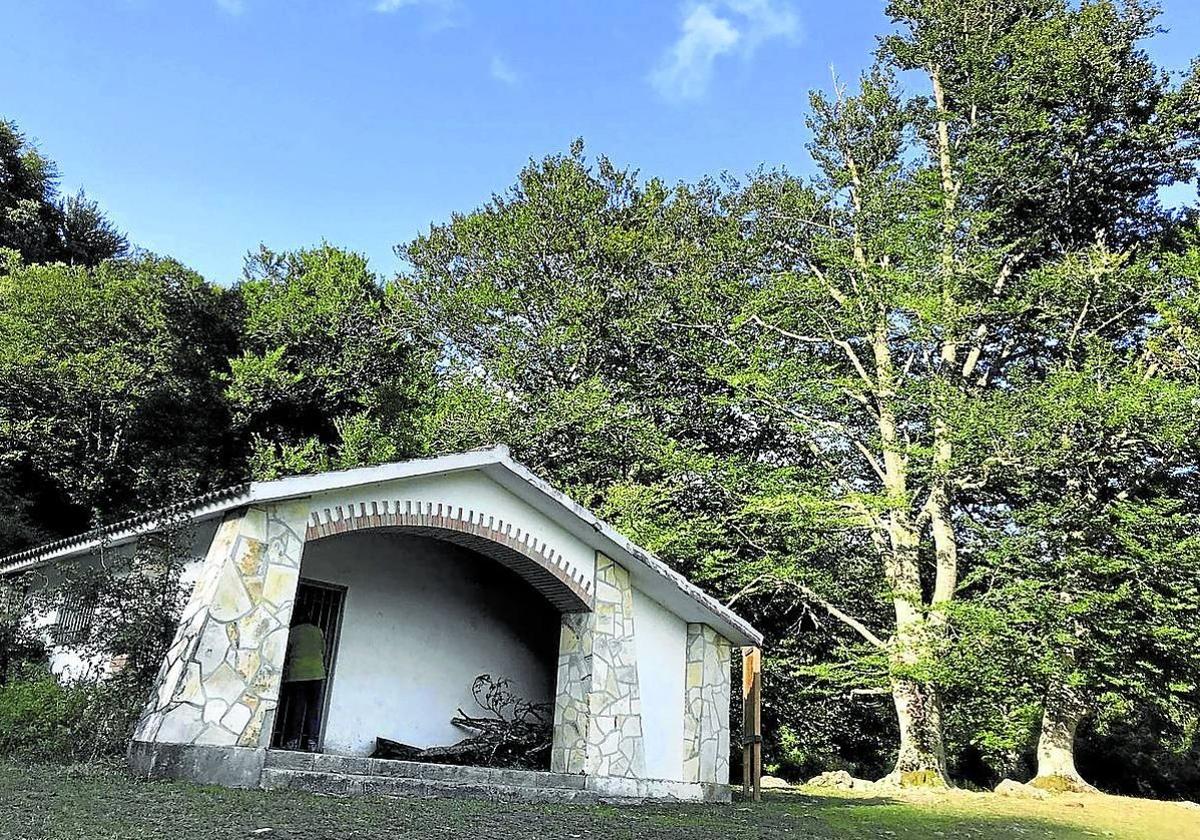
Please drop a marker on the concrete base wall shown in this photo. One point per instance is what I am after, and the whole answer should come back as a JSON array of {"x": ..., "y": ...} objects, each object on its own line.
[
  {"x": 234, "y": 767},
  {"x": 341, "y": 775}
]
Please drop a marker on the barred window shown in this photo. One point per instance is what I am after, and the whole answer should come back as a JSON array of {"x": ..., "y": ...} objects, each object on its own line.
[{"x": 75, "y": 616}]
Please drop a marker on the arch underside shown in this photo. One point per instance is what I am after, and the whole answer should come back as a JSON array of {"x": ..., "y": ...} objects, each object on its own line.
[{"x": 534, "y": 561}]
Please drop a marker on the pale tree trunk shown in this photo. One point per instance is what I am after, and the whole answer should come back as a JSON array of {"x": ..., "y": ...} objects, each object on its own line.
[
  {"x": 1056, "y": 744},
  {"x": 1064, "y": 709},
  {"x": 921, "y": 758}
]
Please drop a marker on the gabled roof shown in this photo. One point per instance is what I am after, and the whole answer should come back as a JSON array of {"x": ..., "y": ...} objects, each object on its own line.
[{"x": 651, "y": 575}]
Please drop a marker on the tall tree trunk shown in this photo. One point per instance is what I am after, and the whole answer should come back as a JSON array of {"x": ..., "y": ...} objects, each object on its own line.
[
  {"x": 921, "y": 759},
  {"x": 922, "y": 756},
  {"x": 1065, "y": 708},
  {"x": 1056, "y": 744}
]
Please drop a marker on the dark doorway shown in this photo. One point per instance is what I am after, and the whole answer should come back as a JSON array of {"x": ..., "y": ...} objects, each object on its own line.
[{"x": 300, "y": 715}]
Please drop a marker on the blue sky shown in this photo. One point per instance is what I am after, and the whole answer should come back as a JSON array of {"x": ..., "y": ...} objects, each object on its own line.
[{"x": 207, "y": 126}]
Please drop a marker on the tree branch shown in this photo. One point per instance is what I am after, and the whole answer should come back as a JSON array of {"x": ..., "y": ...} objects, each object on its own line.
[
  {"x": 869, "y": 692},
  {"x": 976, "y": 349},
  {"x": 841, "y": 344},
  {"x": 849, "y": 620},
  {"x": 836, "y": 426}
]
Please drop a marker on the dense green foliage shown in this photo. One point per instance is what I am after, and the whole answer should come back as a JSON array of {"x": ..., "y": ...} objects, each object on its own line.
[
  {"x": 929, "y": 417},
  {"x": 133, "y": 609},
  {"x": 109, "y": 402},
  {"x": 329, "y": 374},
  {"x": 36, "y": 221},
  {"x": 39, "y": 718},
  {"x": 45, "y": 720}
]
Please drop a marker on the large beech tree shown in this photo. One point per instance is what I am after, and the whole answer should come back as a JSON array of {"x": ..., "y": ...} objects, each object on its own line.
[
  {"x": 570, "y": 331},
  {"x": 1101, "y": 540},
  {"x": 955, "y": 243},
  {"x": 797, "y": 381}
]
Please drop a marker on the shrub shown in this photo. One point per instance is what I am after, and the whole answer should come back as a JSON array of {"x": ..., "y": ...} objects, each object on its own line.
[
  {"x": 40, "y": 719},
  {"x": 133, "y": 611}
]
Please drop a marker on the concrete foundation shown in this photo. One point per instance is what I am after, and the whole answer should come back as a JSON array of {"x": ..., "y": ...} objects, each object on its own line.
[
  {"x": 235, "y": 767},
  {"x": 341, "y": 775}
]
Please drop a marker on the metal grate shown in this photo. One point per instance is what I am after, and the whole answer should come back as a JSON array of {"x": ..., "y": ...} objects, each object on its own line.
[
  {"x": 324, "y": 602},
  {"x": 75, "y": 615}
]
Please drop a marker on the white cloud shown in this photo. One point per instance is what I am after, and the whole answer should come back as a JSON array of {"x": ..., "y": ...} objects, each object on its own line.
[
  {"x": 683, "y": 72},
  {"x": 713, "y": 29},
  {"x": 503, "y": 72},
  {"x": 440, "y": 14},
  {"x": 233, "y": 7}
]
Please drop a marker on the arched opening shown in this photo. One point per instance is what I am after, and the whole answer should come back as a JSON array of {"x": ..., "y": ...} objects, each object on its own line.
[
  {"x": 534, "y": 560},
  {"x": 425, "y": 609}
]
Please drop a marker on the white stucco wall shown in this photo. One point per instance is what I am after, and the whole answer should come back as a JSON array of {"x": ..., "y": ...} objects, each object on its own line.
[
  {"x": 660, "y": 638},
  {"x": 70, "y": 662},
  {"x": 471, "y": 491},
  {"x": 422, "y": 618}
]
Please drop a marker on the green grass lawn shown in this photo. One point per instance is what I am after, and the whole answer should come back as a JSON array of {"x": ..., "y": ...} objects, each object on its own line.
[{"x": 51, "y": 802}]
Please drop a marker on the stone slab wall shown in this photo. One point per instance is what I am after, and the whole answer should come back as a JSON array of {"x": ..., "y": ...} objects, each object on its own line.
[
  {"x": 706, "y": 706},
  {"x": 569, "y": 751},
  {"x": 219, "y": 683},
  {"x": 615, "y": 745},
  {"x": 598, "y": 714}
]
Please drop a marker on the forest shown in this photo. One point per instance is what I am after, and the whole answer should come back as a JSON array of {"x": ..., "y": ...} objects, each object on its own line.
[{"x": 927, "y": 414}]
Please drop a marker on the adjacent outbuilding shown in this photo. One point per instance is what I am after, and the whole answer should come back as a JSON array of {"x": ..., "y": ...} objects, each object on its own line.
[{"x": 416, "y": 578}]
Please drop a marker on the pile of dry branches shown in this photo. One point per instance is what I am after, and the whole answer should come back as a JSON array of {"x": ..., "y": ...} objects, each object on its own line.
[{"x": 512, "y": 733}]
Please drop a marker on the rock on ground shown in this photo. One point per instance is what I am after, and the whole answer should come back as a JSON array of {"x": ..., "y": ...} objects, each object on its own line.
[
  {"x": 840, "y": 780},
  {"x": 1009, "y": 787}
]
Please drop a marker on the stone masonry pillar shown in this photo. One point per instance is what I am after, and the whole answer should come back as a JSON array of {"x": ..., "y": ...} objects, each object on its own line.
[
  {"x": 598, "y": 706},
  {"x": 706, "y": 706},
  {"x": 219, "y": 683},
  {"x": 568, "y": 753}
]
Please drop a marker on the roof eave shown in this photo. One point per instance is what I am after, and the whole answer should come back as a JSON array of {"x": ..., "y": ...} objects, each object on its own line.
[
  {"x": 622, "y": 549},
  {"x": 496, "y": 462}
]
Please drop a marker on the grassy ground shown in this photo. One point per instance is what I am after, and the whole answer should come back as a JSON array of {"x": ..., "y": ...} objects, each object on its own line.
[{"x": 49, "y": 802}]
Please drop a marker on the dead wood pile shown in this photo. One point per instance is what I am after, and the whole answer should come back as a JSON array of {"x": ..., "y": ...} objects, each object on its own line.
[{"x": 512, "y": 732}]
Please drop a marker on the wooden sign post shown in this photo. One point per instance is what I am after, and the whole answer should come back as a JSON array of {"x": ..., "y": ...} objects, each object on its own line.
[{"x": 752, "y": 723}]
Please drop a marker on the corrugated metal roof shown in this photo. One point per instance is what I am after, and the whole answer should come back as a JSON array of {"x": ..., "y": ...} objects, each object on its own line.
[{"x": 149, "y": 520}]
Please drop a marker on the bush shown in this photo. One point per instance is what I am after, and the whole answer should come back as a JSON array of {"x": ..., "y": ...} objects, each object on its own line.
[
  {"x": 44, "y": 720},
  {"x": 39, "y": 718},
  {"x": 134, "y": 609}
]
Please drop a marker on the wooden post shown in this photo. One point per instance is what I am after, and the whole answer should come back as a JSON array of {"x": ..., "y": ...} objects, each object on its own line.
[{"x": 752, "y": 723}]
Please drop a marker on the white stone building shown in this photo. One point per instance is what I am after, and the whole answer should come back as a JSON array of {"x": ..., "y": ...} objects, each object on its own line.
[{"x": 425, "y": 574}]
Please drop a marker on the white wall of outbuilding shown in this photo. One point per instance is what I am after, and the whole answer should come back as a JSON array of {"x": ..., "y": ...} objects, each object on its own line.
[{"x": 423, "y": 618}]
